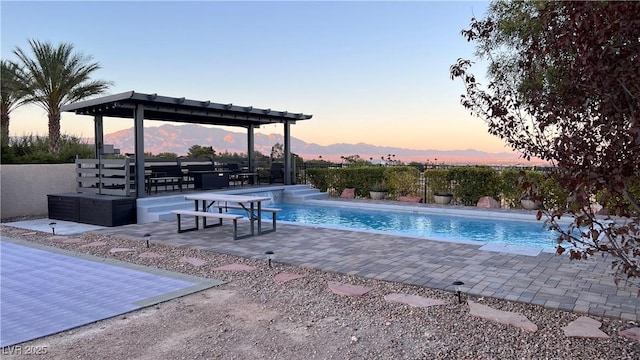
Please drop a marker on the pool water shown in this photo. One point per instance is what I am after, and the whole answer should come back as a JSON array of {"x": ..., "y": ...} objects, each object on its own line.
[{"x": 427, "y": 225}]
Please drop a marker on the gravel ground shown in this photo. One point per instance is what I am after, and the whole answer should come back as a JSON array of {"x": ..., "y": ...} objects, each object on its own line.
[{"x": 252, "y": 316}]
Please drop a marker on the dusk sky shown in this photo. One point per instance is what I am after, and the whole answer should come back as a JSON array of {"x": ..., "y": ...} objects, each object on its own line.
[{"x": 370, "y": 72}]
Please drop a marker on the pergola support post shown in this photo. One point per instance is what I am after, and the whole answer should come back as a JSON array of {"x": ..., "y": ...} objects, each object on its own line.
[
  {"x": 138, "y": 117},
  {"x": 98, "y": 133},
  {"x": 251, "y": 148},
  {"x": 287, "y": 153}
]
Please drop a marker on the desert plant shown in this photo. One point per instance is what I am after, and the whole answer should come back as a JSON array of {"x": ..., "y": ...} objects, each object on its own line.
[
  {"x": 56, "y": 76},
  {"x": 12, "y": 95}
]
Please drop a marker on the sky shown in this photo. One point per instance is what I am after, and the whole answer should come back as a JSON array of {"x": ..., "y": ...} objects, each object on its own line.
[{"x": 368, "y": 72}]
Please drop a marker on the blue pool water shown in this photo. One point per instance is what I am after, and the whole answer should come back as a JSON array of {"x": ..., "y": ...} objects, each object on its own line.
[{"x": 427, "y": 225}]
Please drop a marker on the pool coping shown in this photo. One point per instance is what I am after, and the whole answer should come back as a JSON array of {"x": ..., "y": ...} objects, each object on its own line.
[{"x": 507, "y": 214}]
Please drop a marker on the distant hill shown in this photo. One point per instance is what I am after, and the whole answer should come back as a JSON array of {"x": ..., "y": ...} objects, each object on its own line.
[{"x": 178, "y": 139}]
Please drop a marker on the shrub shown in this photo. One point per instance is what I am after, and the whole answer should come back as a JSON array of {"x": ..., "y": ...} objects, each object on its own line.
[
  {"x": 437, "y": 181},
  {"x": 472, "y": 183},
  {"x": 402, "y": 180},
  {"x": 34, "y": 149}
]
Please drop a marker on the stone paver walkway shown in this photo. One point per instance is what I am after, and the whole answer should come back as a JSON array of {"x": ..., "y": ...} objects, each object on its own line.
[
  {"x": 503, "y": 317},
  {"x": 546, "y": 279}
]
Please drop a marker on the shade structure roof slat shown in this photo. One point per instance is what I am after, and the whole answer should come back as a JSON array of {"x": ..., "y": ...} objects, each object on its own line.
[{"x": 166, "y": 108}]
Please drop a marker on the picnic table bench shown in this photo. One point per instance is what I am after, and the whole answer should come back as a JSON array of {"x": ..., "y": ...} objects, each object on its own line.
[
  {"x": 273, "y": 212},
  {"x": 204, "y": 215}
]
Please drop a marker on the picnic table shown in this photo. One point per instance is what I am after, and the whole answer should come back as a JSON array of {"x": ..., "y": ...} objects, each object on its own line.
[{"x": 203, "y": 202}]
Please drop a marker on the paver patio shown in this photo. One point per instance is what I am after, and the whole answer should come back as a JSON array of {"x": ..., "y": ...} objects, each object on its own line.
[{"x": 547, "y": 280}]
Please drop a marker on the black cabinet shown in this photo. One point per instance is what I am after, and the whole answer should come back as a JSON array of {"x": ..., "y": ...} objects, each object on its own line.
[
  {"x": 103, "y": 210},
  {"x": 207, "y": 180},
  {"x": 62, "y": 207}
]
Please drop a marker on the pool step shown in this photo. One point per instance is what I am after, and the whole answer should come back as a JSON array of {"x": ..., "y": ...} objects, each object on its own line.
[
  {"x": 159, "y": 208},
  {"x": 301, "y": 193}
]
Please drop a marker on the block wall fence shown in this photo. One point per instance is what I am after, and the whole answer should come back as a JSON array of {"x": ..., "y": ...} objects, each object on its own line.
[{"x": 24, "y": 188}]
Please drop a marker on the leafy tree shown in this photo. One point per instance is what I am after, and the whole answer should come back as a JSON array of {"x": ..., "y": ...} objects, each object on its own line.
[
  {"x": 564, "y": 86},
  {"x": 12, "y": 95},
  {"x": 231, "y": 158},
  {"x": 418, "y": 165},
  {"x": 167, "y": 155},
  {"x": 355, "y": 161},
  {"x": 57, "y": 76},
  {"x": 258, "y": 155},
  {"x": 318, "y": 163},
  {"x": 277, "y": 152},
  {"x": 197, "y": 151}
]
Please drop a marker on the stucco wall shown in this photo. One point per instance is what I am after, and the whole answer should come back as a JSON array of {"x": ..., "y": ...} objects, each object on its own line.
[{"x": 24, "y": 188}]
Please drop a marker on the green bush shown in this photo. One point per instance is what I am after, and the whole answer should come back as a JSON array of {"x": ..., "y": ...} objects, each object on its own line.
[
  {"x": 319, "y": 178},
  {"x": 33, "y": 149},
  {"x": 437, "y": 181},
  {"x": 341, "y": 178},
  {"x": 402, "y": 181},
  {"x": 517, "y": 183},
  {"x": 511, "y": 192},
  {"x": 553, "y": 197},
  {"x": 399, "y": 180},
  {"x": 472, "y": 183}
]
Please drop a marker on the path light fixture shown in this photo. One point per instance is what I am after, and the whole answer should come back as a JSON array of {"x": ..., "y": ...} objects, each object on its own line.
[
  {"x": 270, "y": 256},
  {"x": 458, "y": 284},
  {"x": 147, "y": 237},
  {"x": 53, "y": 227}
]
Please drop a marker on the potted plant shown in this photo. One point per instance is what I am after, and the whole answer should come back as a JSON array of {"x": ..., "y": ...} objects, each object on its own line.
[
  {"x": 378, "y": 191},
  {"x": 442, "y": 198},
  {"x": 531, "y": 198},
  {"x": 441, "y": 185},
  {"x": 530, "y": 202}
]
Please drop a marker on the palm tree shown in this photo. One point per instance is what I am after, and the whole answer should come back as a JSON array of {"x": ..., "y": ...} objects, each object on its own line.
[
  {"x": 56, "y": 77},
  {"x": 12, "y": 94}
]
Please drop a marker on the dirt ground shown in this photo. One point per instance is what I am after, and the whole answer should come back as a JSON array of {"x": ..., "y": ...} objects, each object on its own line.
[
  {"x": 213, "y": 324},
  {"x": 254, "y": 316}
]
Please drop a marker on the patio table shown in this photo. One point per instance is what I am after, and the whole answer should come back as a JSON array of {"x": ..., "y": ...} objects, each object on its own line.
[{"x": 252, "y": 205}]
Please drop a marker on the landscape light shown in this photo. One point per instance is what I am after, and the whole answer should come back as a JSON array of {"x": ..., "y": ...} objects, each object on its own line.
[
  {"x": 457, "y": 284},
  {"x": 147, "y": 237},
  {"x": 270, "y": 256},
  {"x": 53, "y": 227}
]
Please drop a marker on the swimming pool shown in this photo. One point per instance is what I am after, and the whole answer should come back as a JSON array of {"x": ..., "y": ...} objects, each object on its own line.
[{"x": 447, "y": 227}]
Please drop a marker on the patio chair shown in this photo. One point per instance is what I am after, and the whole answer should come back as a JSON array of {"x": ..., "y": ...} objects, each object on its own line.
[{"x": 277, "y": 173}]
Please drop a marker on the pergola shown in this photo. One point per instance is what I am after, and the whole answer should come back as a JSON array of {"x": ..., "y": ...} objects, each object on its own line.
[{"x": 142, "y": 107}]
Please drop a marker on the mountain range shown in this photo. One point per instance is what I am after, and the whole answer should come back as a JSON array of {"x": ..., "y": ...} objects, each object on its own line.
[{"x": 178, "y": 140}]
